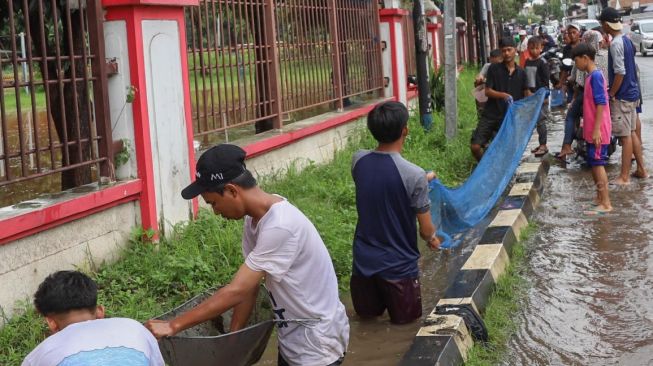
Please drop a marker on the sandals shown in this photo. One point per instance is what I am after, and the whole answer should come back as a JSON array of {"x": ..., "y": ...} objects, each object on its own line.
[{"x": 540, "y": 151}]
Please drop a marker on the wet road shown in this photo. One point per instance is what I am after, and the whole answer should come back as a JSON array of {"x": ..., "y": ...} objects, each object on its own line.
[{"x": 590, "y": 295}]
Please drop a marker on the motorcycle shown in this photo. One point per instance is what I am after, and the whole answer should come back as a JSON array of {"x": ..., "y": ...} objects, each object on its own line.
[{"x": 553, "y": 59}]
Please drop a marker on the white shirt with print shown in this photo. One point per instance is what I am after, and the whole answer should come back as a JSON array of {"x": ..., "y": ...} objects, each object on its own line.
[
  {"x": 302, "y": 284},
  {"x": 101, "y": 342}
]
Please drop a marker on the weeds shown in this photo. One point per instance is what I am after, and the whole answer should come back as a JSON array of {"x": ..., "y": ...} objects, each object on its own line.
[{"x": 151, "y": 279}]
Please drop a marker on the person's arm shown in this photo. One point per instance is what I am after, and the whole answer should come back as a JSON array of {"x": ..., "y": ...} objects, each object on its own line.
[
  {"x": 427, "y": 230},
  {"x": 617, "y": 52},
  {"x": 599, "y": 98},
  {"x": 491, "y": 93},
  {"x": 242, "y": 311},
  {"x": 598, "y": 121},
  {"x": 236, "y": 292},
  {"x": 490, "y": 83},
  {"x": 616, "y": 84}
]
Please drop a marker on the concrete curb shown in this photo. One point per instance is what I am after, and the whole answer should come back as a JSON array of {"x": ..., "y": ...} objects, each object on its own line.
[{"x": 444, "y": 339}]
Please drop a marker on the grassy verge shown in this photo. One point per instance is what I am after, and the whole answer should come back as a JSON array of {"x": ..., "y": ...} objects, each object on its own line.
[
  {"x": 502, "y": 306},
  {"x": 205, "y": 252}
]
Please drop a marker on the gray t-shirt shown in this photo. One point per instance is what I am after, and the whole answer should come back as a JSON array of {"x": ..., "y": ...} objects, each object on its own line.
[
  {"x": 302, "y": 284},
  {"x": 617, "y": 53}
]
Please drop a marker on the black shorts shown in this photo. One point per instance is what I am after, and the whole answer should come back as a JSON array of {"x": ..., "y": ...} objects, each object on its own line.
[
  {"x": 373, "y": 295},
  {"x": 485, "y": 130}
]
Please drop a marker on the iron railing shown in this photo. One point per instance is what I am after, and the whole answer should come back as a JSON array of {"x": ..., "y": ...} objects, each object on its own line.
[
  {"x": 54, "y": 132},
  {"x": 410, "y": 57},
  {"x": 268, "y": 63}
]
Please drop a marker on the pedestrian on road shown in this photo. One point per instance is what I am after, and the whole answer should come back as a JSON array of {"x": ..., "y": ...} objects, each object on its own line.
[
  {"x": 624, "y": 95},
  {"x": 392, "y": 195},
  {"x": 596, "y": 40},
  {"x": 537, "y": 72},
  {"x": 505, "y": 83},
  {"x": 597, "y": 126},
  {"x": 573, "y": 34},
  {"x": 281, "y": 246}
]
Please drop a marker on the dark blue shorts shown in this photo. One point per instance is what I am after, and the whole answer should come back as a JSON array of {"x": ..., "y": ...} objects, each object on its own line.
[{"x": 597, "y": 157}]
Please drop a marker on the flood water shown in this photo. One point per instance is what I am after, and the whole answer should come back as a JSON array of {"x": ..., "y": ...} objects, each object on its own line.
[
  {"x": 590, "y": 295},
  {"x": 377, "y": 342}
]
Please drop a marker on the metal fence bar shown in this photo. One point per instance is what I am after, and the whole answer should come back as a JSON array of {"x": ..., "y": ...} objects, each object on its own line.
[
  {"x": 275, "y": 96},
  {"x": 32, "y": 91},
  {"x": 290, "y": 58},
  {"x": 19, "y": 114},
  {"x": 95, "y": 23},
  {"x": 57, "y": 128}
]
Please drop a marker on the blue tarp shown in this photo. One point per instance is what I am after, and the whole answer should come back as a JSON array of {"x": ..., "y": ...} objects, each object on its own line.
[{"x": 455, "y": 210}]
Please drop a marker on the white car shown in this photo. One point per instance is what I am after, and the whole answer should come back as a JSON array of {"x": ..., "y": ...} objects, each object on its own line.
[
  {"x": 641, "y": 33},
  {"x": 587, "y": 24}
]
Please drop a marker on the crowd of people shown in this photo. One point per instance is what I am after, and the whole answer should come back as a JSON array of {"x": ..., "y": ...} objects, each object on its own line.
[
  {"x": 602, "y": 89},
  {"x": 283, "y": 249}
]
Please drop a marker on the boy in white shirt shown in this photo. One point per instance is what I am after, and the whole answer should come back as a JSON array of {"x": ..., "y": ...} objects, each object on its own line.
[
  {"x": 81, "y": 335},
  {"x": 281, "y": 246}
]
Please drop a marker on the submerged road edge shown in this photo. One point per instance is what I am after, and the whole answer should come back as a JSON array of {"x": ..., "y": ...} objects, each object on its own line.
[{"x": 445, "y": 339}]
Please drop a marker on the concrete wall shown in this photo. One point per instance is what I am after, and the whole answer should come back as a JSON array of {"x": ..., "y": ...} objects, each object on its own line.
[
  {"x": 318, "y": 149},
  {"x": 83, "y": 243}
]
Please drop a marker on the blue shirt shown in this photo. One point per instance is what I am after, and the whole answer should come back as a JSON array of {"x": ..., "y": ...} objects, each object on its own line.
[
  {"x": 621, "y": 61},
  {"x": 390, "y": 192}
]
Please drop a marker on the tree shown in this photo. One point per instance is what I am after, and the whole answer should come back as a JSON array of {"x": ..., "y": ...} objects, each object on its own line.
[
  {"x": 505, "y": 10},
  {"x": 552, "y": 9}
]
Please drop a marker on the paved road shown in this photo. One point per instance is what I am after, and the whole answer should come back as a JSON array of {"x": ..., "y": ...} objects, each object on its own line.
[{"x": 590, "y": 300}]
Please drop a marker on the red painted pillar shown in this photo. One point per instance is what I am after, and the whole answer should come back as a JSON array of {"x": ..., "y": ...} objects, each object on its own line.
[
  {"x": 394, "y": 65},
  {"x": 434, "y": 28},
  {"x": 133, "y": 14}
]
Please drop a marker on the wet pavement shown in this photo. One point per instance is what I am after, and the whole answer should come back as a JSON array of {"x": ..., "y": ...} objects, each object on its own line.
[{"x": 590, "y": 295}]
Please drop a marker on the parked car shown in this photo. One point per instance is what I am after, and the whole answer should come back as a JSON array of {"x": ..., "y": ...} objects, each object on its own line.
[
  {"x": 587, "y": 24},
  {"x": 641, "y": 33}
]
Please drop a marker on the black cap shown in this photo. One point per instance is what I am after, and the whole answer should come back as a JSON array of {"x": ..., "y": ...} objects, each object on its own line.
[
  {"x": 610, "y": 15},
  {"x": 506, "y": 42},
  {"x": 218, "y": 166}
]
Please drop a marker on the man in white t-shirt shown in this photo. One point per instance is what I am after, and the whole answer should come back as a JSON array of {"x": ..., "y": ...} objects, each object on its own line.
[
  {"x": 68, "y": 301},
  {"x": 280, "y": 245}
]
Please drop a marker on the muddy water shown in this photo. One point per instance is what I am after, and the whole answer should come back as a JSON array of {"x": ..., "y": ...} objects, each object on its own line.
[
  {"x": 590, "y": 300},
  {"x": 377, "y": 342}
]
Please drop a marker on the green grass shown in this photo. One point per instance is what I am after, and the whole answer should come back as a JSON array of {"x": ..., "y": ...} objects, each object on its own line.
[
  {"x": 150, "y": 279},
  {"x": 503, "y": 305},
  {"x": 25, "y": 100}
]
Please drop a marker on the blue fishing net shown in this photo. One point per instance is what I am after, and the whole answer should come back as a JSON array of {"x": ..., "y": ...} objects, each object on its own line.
[{"x": 455, "y": 210}]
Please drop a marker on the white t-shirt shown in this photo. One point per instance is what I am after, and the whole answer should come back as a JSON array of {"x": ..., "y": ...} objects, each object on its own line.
[
  {"x": 302, "y": 284},
  {"x": 101, "y": 342}
]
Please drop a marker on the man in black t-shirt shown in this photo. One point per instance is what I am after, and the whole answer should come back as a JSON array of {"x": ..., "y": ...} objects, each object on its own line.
[{"x": 505, "y": 82}]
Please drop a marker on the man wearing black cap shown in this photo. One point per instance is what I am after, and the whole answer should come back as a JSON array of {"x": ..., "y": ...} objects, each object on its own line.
[
  {"x": 505, "y": 82},
  {"x": 624, "y": 95},
  {"x": 281, "y": 246}
]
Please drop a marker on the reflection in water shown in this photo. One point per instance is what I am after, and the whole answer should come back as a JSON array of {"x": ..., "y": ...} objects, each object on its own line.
[{"x": 591, "y": 295}]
